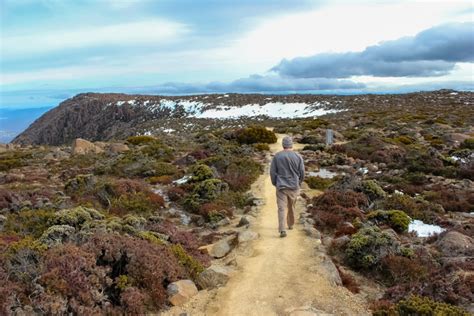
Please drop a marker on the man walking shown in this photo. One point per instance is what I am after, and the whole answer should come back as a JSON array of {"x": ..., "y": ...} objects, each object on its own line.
[{"x": 287, "y": 174}]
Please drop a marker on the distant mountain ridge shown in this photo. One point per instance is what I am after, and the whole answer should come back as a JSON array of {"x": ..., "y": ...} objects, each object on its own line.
[{"x": 97, "y": 116}]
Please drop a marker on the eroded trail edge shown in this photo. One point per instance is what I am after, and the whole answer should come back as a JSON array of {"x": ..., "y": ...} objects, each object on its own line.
[{"x": 278, "y": 276}]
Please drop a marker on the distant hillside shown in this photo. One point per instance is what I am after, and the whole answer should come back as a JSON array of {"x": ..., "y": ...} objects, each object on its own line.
[{"x": 97, "y": 116}]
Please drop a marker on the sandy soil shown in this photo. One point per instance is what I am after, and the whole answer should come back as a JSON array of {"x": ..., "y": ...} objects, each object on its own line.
[{"x": 279, "y": 276}]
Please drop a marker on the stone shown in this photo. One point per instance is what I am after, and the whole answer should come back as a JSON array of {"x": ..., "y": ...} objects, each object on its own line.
[
  {"x": 180, "y": 292},
  {"x": 117, "y": 148},
  {"x": 3, "y": 219},
  {"x": 311, "y": 231},
  {"x": 243, "y": 222},
  {"x": 453, "y": 244},
  {"x": 213, "y": 277},
  {"x": 247, "y": 235},
  {"x": 330, "y": 270},
  {"x": 81, "y": 146},
  {"x": 219, "y": 249},
  {"x": 341, "y": 241}
]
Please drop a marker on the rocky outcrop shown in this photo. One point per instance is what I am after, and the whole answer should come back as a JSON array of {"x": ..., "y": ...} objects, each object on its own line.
[
  {"x": 81, "y": 146},
  {"x": 214, "y": 276},
  {"x": 180, "y": 292},
  {"x": 454, "y": 244}
]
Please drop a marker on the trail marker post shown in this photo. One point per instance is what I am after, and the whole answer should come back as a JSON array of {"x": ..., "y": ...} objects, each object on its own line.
[{"x": 329, "y": 137}]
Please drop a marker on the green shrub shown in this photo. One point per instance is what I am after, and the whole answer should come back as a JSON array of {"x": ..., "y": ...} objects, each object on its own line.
[
  {"x": 13, "y": 159},
  {"x": 200, "y": 172},
  {"x": 318, "y": 183},
  {"x": 372, "y": 190},
  {"x": 398, "y": 220},
  {"x": 140, "y": 140},
  {"x": 136, "y": 203},
  {"x": 315, "y": 123},
  {"x": 311, "y": 139},
  {"x": 158, "y": 151},
  {"x": 75, "y": 217},
  {"x": 164, "y": 169},
  {"x": 261, "y": 147},
  {"x": 255, "y": 134},
  {"x": 406, "y": 140},
  {"x": 368, "y": 246},
  {"x": 210, "y": 189},
  {"x": 193, "y": 266},
  {"x": 419, "y": 305},
  {"x": 468, "y": 143},
  {"x": 28, "y": 222},
  {"x": 317, "y": 147}
]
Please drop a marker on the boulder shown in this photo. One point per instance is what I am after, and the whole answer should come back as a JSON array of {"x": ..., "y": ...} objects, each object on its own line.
[
  {"x": 3, "y": 219},
  {"x": 311, "y": 231},
  {"x": 247, "y": 235},
  {"x": 117, "y": 148},
  {"x": 330, "y": 270},
  {"x": 213, "y": 277},
  {"x": 180, "y": 292},
  {"x": 81, "y": 146},
  {"x": 453, "y": 244},
  {"x": 243, "y": 222},
  {"x": 219, "y": 249}
]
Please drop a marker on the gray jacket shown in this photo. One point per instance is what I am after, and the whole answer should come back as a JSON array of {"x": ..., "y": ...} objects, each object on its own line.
[{"x": 287, "y": 170}]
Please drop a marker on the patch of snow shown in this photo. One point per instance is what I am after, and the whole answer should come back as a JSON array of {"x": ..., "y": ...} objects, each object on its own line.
[
  {"x": 168, "y": 130},
  {"x": 424, "y": 230},
  {"x": 131, "y": 102},
  {"x": 226, "y": 95},
  {"x": 453, "y": 93},
  {"x": 398, "y": 192},
  {"x": 182, "y": 180},
  {"x": 323, "y": 173},
  {"x": 119, "y": 103},
  {"x": 271, "y": 109},
  {"x": 364, "y": 170},
  {"x": 147, "y": 133}
]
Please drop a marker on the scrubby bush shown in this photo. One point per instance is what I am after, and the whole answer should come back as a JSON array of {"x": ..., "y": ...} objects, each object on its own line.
[
  {"x": 333, "y": 208},
  {"x": 261, "y": 146},
  {"x": 311, "y": 139},
  {"x": 468, "y": 143},
  {"x": 417, "y": 305},
  {"x": 416, "y": 208},
  {"x": 241, "y": 173},
  {"x": 137, "y": 203},
  {"x": 255, "y": 134},
  {"x": 175, "y": 194},
  {"x": 200, "y": 172},
  {"x": 318, "y": 183},
  {"x": 158, "y": 151},
  {"x": 75, "y": 217},
  {"x": 317, "y": 147},
  {"x": 149, "y": 266},
  {"x": 28, "y": 222},
  {"x": 368, "y": 246},
  {"x": 398, "y": 220},
  {"x": 140, "y": 140},
  {"x": 13, "y": 159},
  {"x": 372, "y": 190},
  {"x": 396, "y": 269}
]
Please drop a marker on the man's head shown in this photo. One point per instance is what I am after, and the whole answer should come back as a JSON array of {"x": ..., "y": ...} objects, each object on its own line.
[{"x": 287, "y": 142}]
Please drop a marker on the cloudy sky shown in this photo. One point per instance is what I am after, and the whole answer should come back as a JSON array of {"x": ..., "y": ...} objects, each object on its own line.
[{"x": 52, "y": 49}]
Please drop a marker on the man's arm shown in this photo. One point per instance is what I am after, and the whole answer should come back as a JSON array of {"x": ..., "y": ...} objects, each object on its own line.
[
  {"x": 273, "y": 171},
  {"x": 301, "y": 170}
]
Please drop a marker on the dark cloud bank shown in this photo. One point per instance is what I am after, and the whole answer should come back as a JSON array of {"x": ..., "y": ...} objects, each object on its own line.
[{"x": 433, "y": 52}]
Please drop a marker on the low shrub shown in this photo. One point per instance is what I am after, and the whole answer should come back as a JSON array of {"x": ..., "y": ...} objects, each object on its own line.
[
  {"x": 372, "y": 190},
  {"x": 318, "y": 183},
  {"x": 28, "y": 222},
  {"x": 397, "y": 269},
  {"x": 200, "y": 172},
  {"x": 140, "y": 140},
  {"x": 137, "y": 203},
  {"x": 317, "y": 147},
  {"x": 175, "y": 194},
  {"x": 398, "y": 220},
  {"x": 255, "y": 134},
  {"x": 418, "y": 305},
  {"x": 160, "y": 180},
  {"x": 368, "y": 246},
  {"x": 241, "y": 173},
  {"x": 311, "y": 139},
  {"x": 261, "y": 146},
  {"x": 13, "y": 159},
  {"x": 468, "y": 143}
]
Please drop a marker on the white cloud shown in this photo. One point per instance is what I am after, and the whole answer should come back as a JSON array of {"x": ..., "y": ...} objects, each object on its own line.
[
  {"x": 146, "y": 32},
  {"x": 342, "y": 27}
]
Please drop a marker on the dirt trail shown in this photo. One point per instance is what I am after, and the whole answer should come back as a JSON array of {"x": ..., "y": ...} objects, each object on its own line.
[{"x": 282, "y": 276}]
